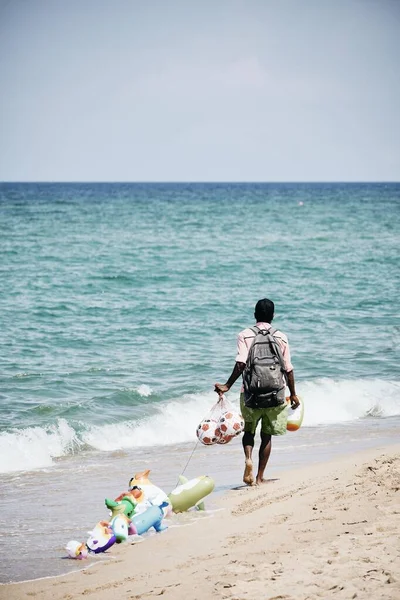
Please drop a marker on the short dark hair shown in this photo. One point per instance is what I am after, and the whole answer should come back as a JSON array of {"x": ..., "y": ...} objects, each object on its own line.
[{"x": 264, "y": 311}]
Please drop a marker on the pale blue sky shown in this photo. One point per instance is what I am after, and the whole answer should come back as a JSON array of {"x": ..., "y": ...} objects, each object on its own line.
[{"x": 200, "y": 90}]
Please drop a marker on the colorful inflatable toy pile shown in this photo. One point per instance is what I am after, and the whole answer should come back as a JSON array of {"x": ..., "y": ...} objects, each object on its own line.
[{"x": 143, "y": 507}]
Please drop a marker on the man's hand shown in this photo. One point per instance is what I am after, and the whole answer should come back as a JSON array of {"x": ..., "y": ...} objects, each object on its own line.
[
  {"x": 221, "y": 389},
  {"x": 294, "y": 401}
]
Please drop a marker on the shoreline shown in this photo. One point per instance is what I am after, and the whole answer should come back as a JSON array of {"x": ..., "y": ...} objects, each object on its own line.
[{"x": 313, "y": 533}]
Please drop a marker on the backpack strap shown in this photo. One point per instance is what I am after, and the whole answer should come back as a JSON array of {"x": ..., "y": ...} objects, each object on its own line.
[
  {"x": 255, "y": 329},
  {"x": 278, "y": 350}
]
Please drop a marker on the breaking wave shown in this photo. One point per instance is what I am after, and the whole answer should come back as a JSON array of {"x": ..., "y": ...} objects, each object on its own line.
[{"x": 327, "y": 401}]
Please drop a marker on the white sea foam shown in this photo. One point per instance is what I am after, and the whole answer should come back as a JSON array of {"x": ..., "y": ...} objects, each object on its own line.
[
  {"x": 175, "y": 423},
  {"x": 326, "y": 402},
  {"x": 329, "y": 401},
  {"x": 144, "y": 390},
  {"x": 35, "y": 447}
]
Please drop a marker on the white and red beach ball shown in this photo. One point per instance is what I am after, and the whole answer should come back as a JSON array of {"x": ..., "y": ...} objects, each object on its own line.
[{"x": 221, "y": 431}]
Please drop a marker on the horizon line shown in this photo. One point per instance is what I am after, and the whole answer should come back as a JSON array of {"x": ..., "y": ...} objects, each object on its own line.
[{"x": 183, "y": 182}]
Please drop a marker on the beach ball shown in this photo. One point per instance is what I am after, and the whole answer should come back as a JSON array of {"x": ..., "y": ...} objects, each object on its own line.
[
  {"x": 230, "y": 424},
  {"x": 206, "y": 432}
]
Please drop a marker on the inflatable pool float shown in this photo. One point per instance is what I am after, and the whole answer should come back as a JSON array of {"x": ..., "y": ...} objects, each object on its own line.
[
  {"x": 153, "y": 495},
  {"x": 125, "y": 506},
  {"x": 151, "y": 517},
  {"x": 295, "y": 416},
  {"x": 191, "y": 493},
  {"x": 121, "y": 527},
  {"x": 76, "y": 550},
  {"x": 101, "y": 538},
  {"x": 135, "y": 495}
]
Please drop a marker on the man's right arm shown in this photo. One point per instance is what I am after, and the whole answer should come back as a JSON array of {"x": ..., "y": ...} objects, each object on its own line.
[{"x": 237, "y": 370}]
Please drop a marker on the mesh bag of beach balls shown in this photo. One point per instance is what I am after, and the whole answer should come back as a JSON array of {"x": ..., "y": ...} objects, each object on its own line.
[{"x": 221, "y": 425}]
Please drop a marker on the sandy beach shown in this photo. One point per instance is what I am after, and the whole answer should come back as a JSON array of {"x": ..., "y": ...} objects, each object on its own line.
[{"x": 329, "y": 530}]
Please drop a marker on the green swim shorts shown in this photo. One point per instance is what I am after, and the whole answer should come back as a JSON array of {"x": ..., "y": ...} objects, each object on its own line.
[{"x": 273, "y": 420}]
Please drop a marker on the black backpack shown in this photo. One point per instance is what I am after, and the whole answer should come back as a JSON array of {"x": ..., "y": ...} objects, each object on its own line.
[{"x": 264, "y": 376}]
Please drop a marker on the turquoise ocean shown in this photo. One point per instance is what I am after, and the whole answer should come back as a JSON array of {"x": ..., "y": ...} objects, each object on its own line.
[{"x": 119, "y": 309}]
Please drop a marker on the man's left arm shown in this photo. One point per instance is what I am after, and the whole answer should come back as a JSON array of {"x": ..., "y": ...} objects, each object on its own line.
[{"x": 294, "y": 401}]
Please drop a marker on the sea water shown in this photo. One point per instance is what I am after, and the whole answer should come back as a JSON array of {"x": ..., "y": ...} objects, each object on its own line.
[{"x": 119, "y": 310}]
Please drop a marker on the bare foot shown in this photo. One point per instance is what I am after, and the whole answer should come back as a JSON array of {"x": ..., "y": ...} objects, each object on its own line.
[
  {"x": 260, "y": 480},
  {"x": 248, "y": 476}
]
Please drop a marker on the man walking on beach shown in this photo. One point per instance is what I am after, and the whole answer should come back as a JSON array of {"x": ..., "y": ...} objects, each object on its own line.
[{"x": 274, "y": 417}]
